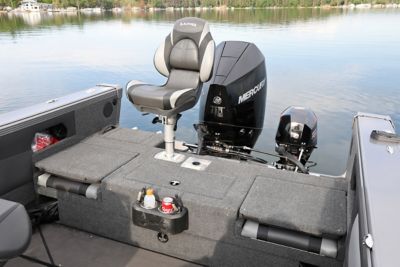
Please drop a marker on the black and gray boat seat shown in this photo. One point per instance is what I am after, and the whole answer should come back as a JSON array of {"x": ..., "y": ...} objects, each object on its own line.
[{"x": 186, "y": 57}]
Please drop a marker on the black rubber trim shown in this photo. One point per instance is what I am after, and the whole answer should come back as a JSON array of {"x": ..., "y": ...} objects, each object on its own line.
[
  {"x": 67, "y": 185},
  {"x": 289, "y": 238},
  {"x": 315, "y": 245},
  {"x": 262, "y": 232}
]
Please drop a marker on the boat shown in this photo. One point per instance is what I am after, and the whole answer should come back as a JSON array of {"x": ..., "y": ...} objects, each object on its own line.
[
  {"x": 79, "y": 190},
  {"x": 29, "y": 6}
]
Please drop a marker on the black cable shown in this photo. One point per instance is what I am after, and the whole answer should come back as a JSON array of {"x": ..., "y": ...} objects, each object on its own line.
[
  {"x": 312, "y": 163},
  {"x": 240, "y": 154},
  {"x": 237, "y": 154},
  {"x": 262, "y": 152},
  {"x": 43, "y": 213},
  {"x": 285, "y": 155}
]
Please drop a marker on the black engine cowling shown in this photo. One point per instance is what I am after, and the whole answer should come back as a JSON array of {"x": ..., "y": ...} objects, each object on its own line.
[
  {"x": 297, "y": 133},
  {"x": 232, "y": 106}
]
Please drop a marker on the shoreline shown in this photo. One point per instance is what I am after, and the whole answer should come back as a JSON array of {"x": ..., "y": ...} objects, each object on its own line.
[{"x": 98, "y": 10}]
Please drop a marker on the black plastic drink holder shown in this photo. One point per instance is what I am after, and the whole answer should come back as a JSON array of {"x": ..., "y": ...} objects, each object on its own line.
[{"x": 156, "y": 220}]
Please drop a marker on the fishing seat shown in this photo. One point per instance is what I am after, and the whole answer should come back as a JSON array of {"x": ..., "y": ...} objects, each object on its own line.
[{"x": 186, "y": 58}]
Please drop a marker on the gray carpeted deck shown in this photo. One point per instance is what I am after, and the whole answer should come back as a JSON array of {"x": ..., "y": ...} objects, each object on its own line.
[
  {"x": 312, "y": 204},
  {"x": 73, "y": 248}
]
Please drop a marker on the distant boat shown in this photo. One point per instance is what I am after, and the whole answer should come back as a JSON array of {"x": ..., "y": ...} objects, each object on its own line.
[{"x": 29, "y": 5}]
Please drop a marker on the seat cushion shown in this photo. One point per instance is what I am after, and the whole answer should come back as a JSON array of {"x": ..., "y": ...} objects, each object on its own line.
[
  {"x": 180, "y": 89},
  {"x": 160, "y": 97},
  {"x": 154, "y": 96}
]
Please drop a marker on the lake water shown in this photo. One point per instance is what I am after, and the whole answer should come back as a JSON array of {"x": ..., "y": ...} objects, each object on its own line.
[{"x": 336, "y": 62}]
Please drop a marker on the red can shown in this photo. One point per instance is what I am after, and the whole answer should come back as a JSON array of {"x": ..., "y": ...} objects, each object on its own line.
[
  {"x": 43, "y": 140},
  {"x": 166, "y": 205}
]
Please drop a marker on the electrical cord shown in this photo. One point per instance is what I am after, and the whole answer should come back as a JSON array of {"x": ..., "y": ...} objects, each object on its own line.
[
  {"x": 283, "y": 154},
  {"x": 43, "y": 214},
  {"x": 237, "y": 154}
]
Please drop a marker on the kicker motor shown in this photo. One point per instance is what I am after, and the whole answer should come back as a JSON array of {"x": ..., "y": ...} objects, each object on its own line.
[
  {"x": 296, "y": 136},
  {"x": 232, "y": 108}
]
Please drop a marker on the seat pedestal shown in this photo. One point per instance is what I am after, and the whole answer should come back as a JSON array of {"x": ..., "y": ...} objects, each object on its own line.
[{"x": 169, "y": 139}]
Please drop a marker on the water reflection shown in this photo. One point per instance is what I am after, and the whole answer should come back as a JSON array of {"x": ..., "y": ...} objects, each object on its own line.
[
  {"x": 31, "y": 18},
  {"x": 15, "y": 22},
  {"x": 336, "y": 62}
]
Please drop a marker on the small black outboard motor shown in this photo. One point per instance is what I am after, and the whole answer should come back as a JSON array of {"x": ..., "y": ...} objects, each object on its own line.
[
  {"x": 296, "y": 136},
  {"x": 232, "y": 107}
]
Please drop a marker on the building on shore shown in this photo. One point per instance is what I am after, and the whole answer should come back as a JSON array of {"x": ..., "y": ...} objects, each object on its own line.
[{"x": 29, "y": 5}]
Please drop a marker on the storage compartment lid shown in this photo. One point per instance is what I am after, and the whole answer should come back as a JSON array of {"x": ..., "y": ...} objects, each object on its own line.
[
  {"x": 306, "y": 208},
  {"x": 86, "y": 163}
]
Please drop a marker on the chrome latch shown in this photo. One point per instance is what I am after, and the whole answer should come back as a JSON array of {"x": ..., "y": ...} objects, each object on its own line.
[{"x": 368, "y": 241}]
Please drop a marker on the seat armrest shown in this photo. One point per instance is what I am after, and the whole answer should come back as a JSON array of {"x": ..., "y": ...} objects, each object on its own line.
[{"x": 15, "y": 229}]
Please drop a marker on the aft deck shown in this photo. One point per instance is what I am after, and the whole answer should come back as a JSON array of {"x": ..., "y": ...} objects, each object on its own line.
[
  {"x": 100, "y": 226},
  {"x": 219, "y": 200}
]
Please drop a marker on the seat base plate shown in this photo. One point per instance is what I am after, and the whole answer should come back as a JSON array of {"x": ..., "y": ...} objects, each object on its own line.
[{"x": 177, "y": 158}]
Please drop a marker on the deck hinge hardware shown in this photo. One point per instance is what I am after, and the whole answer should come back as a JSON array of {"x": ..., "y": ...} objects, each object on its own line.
[{"x": 368, "y": 241}]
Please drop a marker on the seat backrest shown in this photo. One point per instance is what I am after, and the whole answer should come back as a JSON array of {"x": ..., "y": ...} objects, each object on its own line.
[{"x": 189, "y": 46}]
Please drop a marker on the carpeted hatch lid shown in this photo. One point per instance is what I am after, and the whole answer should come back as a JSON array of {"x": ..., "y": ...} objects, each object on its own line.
[
  {"x": 87, "y": 163},
  {"x": 300, "y": 207}
]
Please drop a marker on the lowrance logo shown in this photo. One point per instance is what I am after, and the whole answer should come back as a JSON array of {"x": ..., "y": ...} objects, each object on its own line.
[
  {"x": 252, "y": 92},
  {"x": 188, "y": 24}
]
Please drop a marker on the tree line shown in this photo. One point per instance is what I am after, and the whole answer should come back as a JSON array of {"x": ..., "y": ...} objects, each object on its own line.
[{"x": 107, "y": 4}]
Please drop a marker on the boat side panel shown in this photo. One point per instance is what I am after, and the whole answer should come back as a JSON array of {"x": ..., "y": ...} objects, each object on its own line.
[
  {"x": 373, "y": 171},
  {"x": 83, "y": 114}
]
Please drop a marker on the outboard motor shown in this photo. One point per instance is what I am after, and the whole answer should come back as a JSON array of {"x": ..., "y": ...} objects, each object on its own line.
[
  {"x": 232, "y": 107},
  {"x": 296, "y": 136}
]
